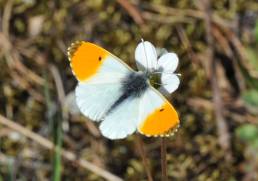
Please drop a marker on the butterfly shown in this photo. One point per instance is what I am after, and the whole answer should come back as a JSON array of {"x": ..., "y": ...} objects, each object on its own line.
[{"x": 123, "y": 100}]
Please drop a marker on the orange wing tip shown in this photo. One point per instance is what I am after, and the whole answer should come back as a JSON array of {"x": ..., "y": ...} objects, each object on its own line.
[
  {"x": 169, "y": 133},
  {"x": 161, "y": 122},
  {"x": 86, "y": 59},
  {"x": 72, "y": 49}
]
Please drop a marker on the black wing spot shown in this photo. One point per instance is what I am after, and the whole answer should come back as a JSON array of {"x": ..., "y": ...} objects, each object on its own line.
[
  {"x": 161, "y": 110},
  {"x": 100, "y": 58}
]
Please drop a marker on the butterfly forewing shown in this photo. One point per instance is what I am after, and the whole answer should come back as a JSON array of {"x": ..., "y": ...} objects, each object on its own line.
[{"x": 99, "y": 74}]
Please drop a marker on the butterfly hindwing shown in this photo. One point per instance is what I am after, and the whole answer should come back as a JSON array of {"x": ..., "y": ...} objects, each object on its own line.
[
  {"x": 122, "y": 120},
  {"x": 94, "y": 100},
  {"x": 151, "y": 114},
  {"x": 157, "y": 115}
]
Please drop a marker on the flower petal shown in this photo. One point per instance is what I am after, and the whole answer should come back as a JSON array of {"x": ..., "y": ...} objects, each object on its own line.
[
  {"x": 146, "y": 56},
  {"x": 168, "y": 62},
  {"x": 161, "y": 51},
  {"x": 170, "y": 82}
]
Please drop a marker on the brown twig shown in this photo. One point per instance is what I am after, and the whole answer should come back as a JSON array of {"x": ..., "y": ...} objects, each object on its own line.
[
  {"x": 50, "y": 146},
  {"x": 186, "y": 43},
  {"x": 163, "y": 151},
  {"x": 222, "y": 127},
  {"x": 59, "y": 84},
  {"x": 13, "y": 59},
  {"x": 28, "y": 73},
  {"x": 224, "y": 41},
  {"x": 165, "y": 19},
  {"x": 6, "y": 17},
  {"x": 24, "y": 84},
  {"x": 139, "y": 144},
  {"x": 165, "y": 11},
  {"x": 132, "y": 11},
  {"x": 241, "y": 52}
]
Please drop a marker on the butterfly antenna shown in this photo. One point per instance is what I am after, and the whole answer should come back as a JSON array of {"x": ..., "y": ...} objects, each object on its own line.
[
  {"x": 178, "y": 74},
  {"x": 145, "y": 54},
  {"x": 159, "y": 84}
]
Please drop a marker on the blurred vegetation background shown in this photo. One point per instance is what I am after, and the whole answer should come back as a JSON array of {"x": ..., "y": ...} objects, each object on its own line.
[{"x": 217, "y": 43}]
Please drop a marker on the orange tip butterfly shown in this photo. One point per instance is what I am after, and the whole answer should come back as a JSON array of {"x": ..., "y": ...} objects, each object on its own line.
[{"x": 121, "y": 99}]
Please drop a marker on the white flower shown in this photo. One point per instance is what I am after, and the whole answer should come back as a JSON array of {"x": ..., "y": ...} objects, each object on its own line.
[{"x": 147, "y": 61}]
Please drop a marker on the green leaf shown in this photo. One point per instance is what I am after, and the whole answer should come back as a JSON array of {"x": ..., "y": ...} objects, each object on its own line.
[
  {"x": 248, "y": 132},
  {"x": 55, "y": 126},
  {"x": 253, "y": 58},
  {"x": 251, "y": 97},
  {"x": 10, "y": 170},
  {"x": 255, "y": 144}
]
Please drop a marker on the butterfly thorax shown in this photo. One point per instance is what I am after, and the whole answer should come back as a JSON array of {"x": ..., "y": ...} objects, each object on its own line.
[{"x": 133, "y": 85}]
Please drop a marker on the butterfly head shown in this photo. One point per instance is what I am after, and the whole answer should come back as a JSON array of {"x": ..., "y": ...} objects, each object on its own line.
[{"x": 154, "y": 78}]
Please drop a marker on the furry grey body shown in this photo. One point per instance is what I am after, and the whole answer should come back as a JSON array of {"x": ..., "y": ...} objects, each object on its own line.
[{"x": 134, "y": 85}]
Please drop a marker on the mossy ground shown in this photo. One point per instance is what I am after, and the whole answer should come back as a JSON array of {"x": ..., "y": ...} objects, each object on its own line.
[{"x": 34, "y": 36}]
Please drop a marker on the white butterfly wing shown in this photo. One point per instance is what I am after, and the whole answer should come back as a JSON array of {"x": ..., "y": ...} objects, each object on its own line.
[
  {"x": 151, "y": 114},
  {"x": 157, "y": 117},
  {"x": 122, "y": 120},
  {"x": 94, "y": 100},
  {"x": 100, "y": 76}
]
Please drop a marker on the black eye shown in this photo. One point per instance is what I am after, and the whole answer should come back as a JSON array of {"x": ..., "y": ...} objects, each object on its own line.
[
  {"x": 100, "y": 58},
  {"x": 161, "y": 110}
]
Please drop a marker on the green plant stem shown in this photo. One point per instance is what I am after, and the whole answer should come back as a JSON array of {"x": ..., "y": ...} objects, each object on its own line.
[
  {"x": 57, "y": 154},
  {"x": 55, "y": 126},
  {"x": 10, "y": 170}
]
